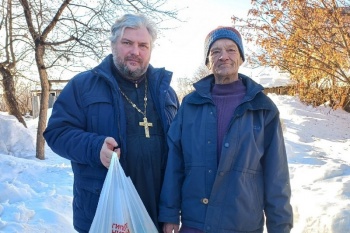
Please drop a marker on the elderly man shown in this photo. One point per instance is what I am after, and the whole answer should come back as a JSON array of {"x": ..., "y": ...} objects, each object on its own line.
[{"x": 227, "y": 167}]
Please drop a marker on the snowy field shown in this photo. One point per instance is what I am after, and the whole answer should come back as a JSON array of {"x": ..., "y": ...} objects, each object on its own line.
[{"x": 36, "y": 196}]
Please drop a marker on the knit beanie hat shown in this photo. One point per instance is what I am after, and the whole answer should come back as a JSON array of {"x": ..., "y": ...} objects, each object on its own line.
[{"x": 222, "y": 33}]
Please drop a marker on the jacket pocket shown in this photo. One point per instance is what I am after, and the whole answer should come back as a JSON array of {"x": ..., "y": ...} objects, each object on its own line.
[
  {"x": 86, "y": 197},
  {"x": 243, "y": 207},
  {"x": 100, "y": 114},
  {"x": 193, "y": 208}
]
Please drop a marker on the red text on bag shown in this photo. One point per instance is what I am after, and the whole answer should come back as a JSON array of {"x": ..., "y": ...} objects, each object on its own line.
[{"x": 120, "y": 228}]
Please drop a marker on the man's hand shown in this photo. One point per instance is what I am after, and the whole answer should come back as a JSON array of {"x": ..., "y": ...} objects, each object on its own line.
[
  {"x": 170, "y": 228},
  {"x": 107, "y": 151}
]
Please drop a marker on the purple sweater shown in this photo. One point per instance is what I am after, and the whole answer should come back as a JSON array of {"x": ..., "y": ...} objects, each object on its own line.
[{"x": 226, "y": 98}]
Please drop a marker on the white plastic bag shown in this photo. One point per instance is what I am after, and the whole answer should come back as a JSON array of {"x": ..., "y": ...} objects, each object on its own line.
[{"x": 120, "y": 208}]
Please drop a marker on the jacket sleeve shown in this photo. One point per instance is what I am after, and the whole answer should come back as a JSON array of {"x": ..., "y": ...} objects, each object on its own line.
[
  {"x": 66, "y": 130},
  {"x": 171, "y": 106},
  {"x": 170, "y": 198},
  {"x": 278, "y": 211}
]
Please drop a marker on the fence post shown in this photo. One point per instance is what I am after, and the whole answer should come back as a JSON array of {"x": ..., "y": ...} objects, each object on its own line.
[{"x": 36, "y": 106}]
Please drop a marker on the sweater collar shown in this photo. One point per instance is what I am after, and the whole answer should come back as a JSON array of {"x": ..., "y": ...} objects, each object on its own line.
[{"x": 235, "y": 87}]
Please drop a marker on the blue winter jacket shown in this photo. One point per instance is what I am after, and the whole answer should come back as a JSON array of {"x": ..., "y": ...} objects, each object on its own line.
[
  {"x": 89, "y": 109},
  {"x": 252, "y": 178}
]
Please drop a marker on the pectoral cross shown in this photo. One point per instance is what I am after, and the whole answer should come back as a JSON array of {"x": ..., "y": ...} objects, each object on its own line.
[{"x": 145, "y": 124}]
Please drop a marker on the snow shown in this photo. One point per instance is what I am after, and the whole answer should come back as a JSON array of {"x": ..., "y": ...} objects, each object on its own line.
[{"x": 36, "y": 195}]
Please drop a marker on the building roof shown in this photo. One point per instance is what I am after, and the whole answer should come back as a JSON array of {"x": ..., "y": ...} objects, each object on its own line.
[
  {"x": 56, "y": 85},
  {"x": 269, "y": 77}
]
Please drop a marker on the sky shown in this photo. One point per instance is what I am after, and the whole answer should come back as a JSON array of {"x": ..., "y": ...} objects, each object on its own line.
[
  {"x": 36, "y": 195},
  {"x": 181, "y": 50}
]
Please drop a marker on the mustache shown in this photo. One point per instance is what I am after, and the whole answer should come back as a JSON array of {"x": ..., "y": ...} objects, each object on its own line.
[{"x": 133, "y": 58}]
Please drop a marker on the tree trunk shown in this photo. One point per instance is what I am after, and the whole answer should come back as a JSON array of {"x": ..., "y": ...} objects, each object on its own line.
[
  {"x": 10, "y": 95},
  {"x": 44, "y": 101}
]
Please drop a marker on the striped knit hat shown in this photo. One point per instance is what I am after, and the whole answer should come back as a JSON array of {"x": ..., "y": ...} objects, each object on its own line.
[{"x": 222, "y": 33}]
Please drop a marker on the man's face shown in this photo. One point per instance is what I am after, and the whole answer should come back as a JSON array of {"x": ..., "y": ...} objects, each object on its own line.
[
  {"x": 224, "y": 61},
  {"x": 132, "y": 52}
]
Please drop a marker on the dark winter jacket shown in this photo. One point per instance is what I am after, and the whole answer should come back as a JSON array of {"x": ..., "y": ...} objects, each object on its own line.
[
  {"x": 89, "y": 109},
  {"x": 251, "y": 179}
]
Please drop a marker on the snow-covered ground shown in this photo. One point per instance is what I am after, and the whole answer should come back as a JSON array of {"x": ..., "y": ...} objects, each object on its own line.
[{"x": 36, "y": 195}]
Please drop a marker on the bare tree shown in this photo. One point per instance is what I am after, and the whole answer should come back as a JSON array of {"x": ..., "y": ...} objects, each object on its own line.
[
  {"x": 9, "y": 61},
  {"x": 185, "y": 85},
  {"x": 66, "y": 35}
]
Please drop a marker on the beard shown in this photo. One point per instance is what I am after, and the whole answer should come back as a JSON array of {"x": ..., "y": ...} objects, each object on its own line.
[{"x": 123, "y": 68}]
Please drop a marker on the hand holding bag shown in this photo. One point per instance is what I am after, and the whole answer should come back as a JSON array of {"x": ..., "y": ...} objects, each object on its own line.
[{"x": 120, "y": 208}]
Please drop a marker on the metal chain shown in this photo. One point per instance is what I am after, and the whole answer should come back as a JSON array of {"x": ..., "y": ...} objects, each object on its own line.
[{"x": 134, "y": 105}]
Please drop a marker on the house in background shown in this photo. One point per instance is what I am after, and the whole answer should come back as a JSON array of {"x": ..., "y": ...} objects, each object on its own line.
[
  {"x": 56, "y": 87},
  {"x": 273, "y": 80}
]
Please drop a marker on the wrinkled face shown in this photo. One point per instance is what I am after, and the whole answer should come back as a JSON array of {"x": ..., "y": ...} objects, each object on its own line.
[
  {"x": 224, "y": 61},
  {"x": 132, "y": 52}
]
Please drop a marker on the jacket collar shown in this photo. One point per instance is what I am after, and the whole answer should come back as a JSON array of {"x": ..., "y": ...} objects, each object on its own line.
[{"x": 203, "y": 88}]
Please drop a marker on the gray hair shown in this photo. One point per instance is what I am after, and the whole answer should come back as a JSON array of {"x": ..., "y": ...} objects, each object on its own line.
[{"x": 132, "y": 21}]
